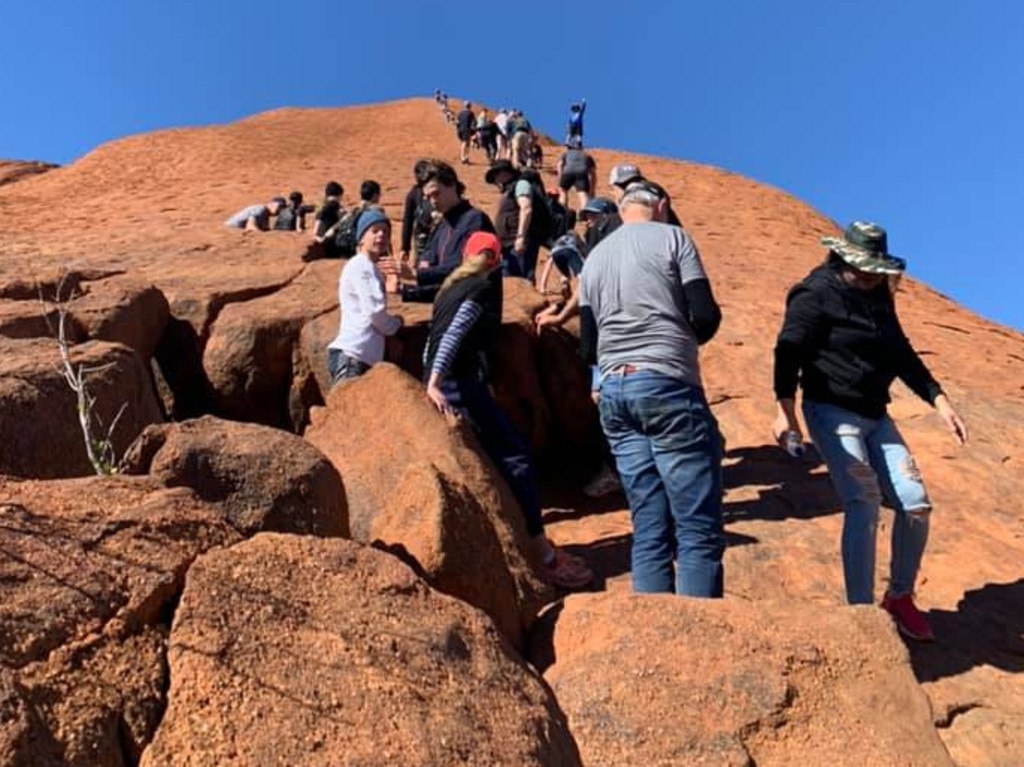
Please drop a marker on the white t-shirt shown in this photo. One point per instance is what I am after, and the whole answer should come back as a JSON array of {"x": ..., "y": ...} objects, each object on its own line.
[
  {"x": 364, "y": 313},
  {"x": 501, "y": 120}
]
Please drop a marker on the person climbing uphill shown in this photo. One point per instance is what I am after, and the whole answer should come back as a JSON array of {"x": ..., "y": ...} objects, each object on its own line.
[
  {"x": 463, "y": 334},
  {"x": 842, "y": 342},
  {"x": 574, "y": 129}
]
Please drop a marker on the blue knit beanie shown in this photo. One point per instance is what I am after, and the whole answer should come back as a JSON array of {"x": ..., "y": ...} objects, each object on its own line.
[{"x": 367, "y": 219}]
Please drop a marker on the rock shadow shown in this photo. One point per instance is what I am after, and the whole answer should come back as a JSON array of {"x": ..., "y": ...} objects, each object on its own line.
[
  {"x": 611, "y": 557},
  {"x": 985, "y": 629},
  {"x": 791, "y": 488}
]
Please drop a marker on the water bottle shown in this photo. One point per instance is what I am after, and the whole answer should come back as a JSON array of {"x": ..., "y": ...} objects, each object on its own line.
[{"x": 792, "y": 444}]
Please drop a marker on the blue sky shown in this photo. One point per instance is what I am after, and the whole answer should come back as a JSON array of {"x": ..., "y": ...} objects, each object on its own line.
[{"x": 905, "y": 112}]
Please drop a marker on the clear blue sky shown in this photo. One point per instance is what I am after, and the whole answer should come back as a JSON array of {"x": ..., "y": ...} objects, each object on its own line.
[{"x": 904, "y": 111}]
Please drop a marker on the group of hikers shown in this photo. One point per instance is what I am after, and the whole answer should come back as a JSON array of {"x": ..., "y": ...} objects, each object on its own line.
[
  {"x": 637, "y": 283},
  {"x": 507, "y": 135}
]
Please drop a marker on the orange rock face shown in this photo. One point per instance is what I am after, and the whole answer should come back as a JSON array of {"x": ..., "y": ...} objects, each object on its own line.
[
  {"x": 241, "y": 303},
  {"x": 434, "y": 497},
  {"x": 659, "y": 681},
  {"x": 89, "y": 573},
  {"x": 294, "y": 650}
]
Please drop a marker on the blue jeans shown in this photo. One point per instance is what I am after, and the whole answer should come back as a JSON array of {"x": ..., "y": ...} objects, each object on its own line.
[
  {"x": 669, "y": 454},
  {"x": 340, "y": 366},
  {"x": 522, "y": 264},
  {"x": 867, "y": 457}
]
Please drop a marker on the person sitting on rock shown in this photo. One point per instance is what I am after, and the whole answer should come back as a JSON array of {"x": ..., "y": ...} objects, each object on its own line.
[
  {"x": 364, "y": 313},
  {"x": 463, "y": 331},
  {"x": 256, "y": 217}
]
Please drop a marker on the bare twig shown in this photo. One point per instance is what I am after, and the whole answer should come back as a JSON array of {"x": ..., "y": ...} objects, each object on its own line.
[{"x": 100, "y": 451}]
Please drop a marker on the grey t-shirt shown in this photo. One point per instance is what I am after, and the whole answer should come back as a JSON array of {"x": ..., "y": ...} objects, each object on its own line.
[
  {"x": 633, "y": 283},
  {"x": 259, "y": 212}
]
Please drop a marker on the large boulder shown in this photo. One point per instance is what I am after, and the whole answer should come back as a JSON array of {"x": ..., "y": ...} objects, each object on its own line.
[
  {"x": 248, "y": 356},
  {"x": 122, "y": 309},
  {"x": 417, "y": 483},
  {"x": 298, "y": 650},
  {"x": 92, "y": 569},
  {"x": 39, "y": 417},
  {"x": 661, "y": 681},
  {"x": 262, "y": 478}
]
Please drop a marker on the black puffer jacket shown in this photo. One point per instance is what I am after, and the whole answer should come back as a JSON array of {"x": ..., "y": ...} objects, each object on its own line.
[{"x": 845, "y": 346}]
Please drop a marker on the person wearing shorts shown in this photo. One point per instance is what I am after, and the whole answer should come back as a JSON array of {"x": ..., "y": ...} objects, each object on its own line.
[{"x": 576, "y": 170}]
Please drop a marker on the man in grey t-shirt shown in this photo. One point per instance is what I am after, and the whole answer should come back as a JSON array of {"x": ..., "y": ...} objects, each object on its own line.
[{"x": 645, "y": 307}]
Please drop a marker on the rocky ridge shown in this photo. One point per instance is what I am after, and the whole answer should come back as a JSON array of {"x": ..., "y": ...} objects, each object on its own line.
[{"x": 185, "y": 318}]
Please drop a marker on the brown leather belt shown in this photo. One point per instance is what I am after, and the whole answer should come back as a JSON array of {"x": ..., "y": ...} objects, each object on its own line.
[{"x": 626, "y": 370}]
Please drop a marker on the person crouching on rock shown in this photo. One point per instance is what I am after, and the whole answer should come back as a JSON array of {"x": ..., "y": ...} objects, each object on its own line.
[
  {"x": 463, "y": 331},
  {"x": 364, "y": 314},
  {"x": 842, "y": 341}
]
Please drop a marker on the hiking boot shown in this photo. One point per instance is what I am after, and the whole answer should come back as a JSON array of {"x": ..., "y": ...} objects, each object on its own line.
[
  {"x": 909, "y": 620},
  {"x": 567, "y": 572},
  {"x": 606, "y": 481}
]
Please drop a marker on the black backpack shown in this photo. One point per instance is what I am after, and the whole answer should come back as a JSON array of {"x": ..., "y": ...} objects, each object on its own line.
[
  {"x": 345, "y": 244},
  {"x": 550, "y": 218},
  {"x": 287, "y": 219}
]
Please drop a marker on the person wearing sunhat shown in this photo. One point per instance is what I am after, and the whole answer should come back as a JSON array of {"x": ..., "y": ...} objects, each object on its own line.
[
  {"x": 365, "y": 321},
  {"x": 463, "y": 333},
  {"x": 842, "y": 342}
]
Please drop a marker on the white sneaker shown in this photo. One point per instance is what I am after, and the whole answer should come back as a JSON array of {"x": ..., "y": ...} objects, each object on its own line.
[{"x": 606, "y": 481}]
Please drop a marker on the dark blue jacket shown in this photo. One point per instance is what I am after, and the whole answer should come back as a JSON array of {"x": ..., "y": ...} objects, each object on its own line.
[{"x": 444, "y": 251}]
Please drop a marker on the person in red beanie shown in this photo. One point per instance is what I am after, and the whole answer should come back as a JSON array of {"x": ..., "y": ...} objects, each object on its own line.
[{"x": 463, "y": 332}]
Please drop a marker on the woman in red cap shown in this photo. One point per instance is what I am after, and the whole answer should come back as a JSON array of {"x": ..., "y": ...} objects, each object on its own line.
[{"x": 463, "y": 330}]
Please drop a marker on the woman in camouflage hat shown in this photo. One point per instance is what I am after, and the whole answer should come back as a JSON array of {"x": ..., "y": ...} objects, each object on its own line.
[{"x": 841, "y": 340}]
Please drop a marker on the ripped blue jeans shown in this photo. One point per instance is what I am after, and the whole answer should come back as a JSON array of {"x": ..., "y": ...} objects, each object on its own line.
[{"x": 867, "y": 458}]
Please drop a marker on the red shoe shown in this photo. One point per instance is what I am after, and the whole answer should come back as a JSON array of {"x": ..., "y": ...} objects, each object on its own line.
[
  {"x": 909, "y": 620},
  {"x": 567, "y": 572}
]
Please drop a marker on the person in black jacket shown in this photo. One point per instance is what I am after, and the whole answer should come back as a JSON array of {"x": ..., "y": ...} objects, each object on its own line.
[
  {"x": 463, "y": 331},
  {"x": 459, "y": 219},
  {"x": 842, "y": 341},
  {"x": 417, "y": 218}
]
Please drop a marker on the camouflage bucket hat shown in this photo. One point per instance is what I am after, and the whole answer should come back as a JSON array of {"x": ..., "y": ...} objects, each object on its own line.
[{"x": 865, "y": 247}]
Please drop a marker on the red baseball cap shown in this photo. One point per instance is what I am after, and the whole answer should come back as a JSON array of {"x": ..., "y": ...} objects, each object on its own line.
[{"x": 478, "y": 242}]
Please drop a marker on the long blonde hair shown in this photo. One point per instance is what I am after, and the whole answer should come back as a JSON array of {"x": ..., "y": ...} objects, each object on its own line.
[{"x": 479, "y": 265}]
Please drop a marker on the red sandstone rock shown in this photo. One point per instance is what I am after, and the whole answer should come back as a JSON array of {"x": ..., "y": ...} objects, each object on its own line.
[
  {"x": 661, "y": 680},
  {"x": 297, "y": 650},
  {"x": 16, "y": 170},
  {"x": 124, "y": 310},
  {"x": 263, "y": 479},
  {"x": 38, "y": 411},
  {"x": 418, "y": 483},
  {"x": 156, "y": 203},
  {"x": 90, "y": 570}
]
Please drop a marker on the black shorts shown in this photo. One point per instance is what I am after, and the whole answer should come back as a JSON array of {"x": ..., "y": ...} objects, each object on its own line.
[
  {"x": 578, "y": 181},
  {"x": 463, "y": 135}
]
